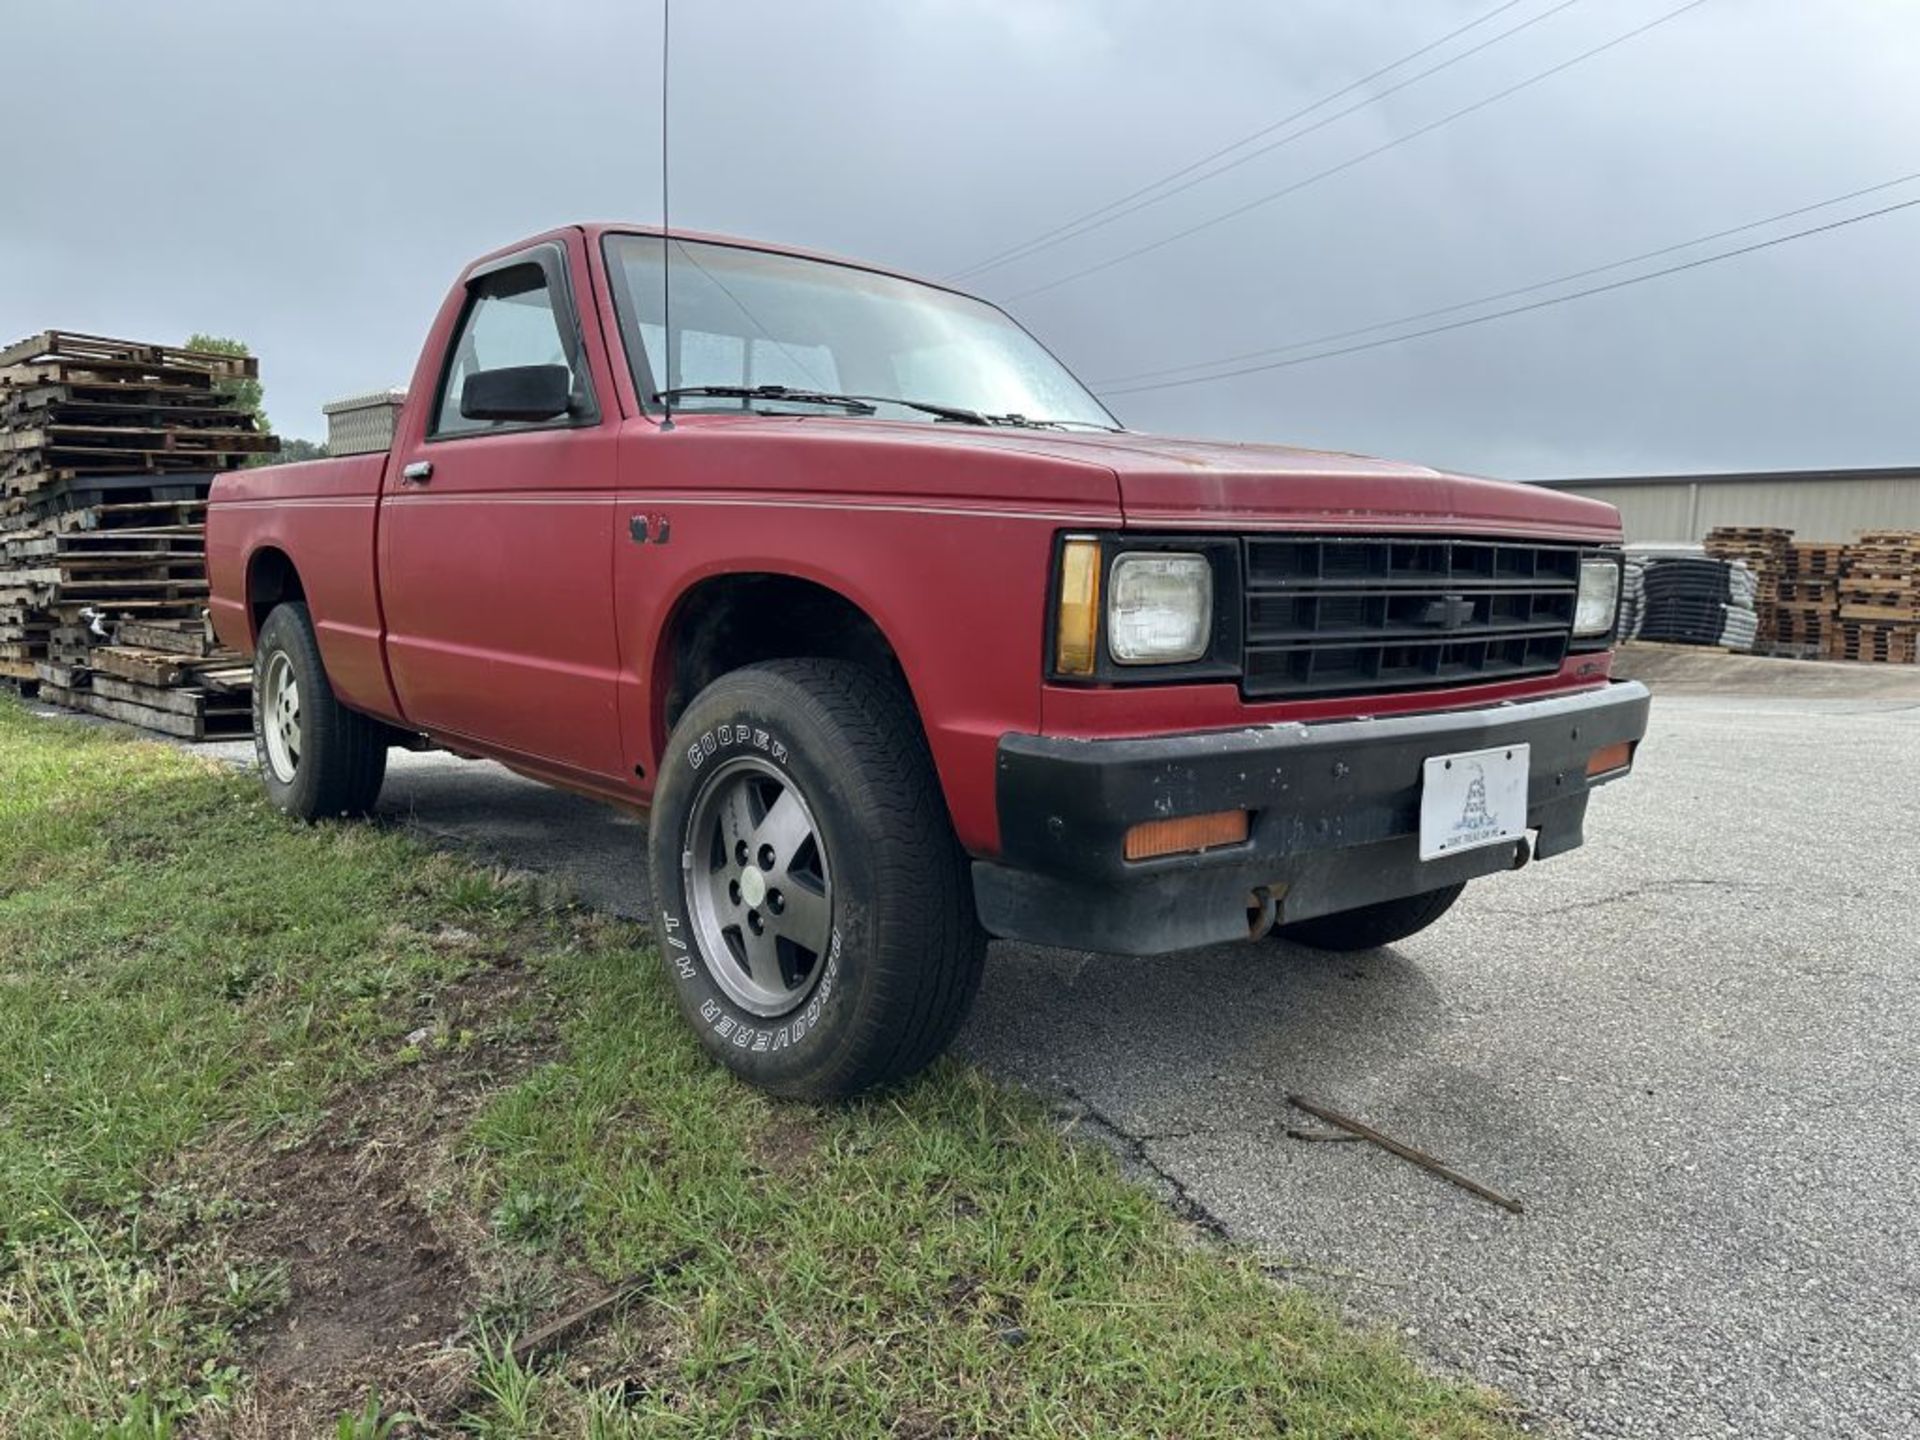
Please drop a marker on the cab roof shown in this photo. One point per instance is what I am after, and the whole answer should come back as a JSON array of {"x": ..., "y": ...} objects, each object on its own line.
[{"x": 594, "y": 230}]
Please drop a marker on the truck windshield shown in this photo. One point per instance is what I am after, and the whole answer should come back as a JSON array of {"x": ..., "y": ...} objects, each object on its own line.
[{"x": 748, "y": 324}]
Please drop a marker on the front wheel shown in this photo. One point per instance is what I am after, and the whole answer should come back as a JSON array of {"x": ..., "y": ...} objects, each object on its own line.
[
  {"x": 1372, "y": 926},
  {"x": 317, "y": 758},
  {"x": 811, "y": 900}
]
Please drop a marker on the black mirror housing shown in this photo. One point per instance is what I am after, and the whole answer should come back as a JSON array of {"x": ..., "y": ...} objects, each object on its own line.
[{"x": 528, "y": 393}]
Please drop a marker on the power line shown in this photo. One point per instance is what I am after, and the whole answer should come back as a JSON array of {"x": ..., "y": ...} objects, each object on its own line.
[
  {"x": 1458, "y": 306},
  {"x": 1128, "y": 205},
  {"x": 1517, "y": 309},
  {"x": 1364, "y": 156},
  {"x": 1105, "y": 214}
]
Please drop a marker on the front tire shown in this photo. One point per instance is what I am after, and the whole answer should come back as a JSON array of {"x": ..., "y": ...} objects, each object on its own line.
[
  {"x": 1372, "y": 926},
  {"x": 812, "y": 903},
  {"x": 317, "y": 758}
]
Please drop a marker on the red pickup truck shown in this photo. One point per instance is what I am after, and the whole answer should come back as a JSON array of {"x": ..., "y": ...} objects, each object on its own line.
[{"x": 901, "y": 640}]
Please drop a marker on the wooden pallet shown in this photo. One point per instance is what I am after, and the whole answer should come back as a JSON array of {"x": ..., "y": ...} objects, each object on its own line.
[
  {"x": 55, "y": 492},
  {"x": 183, "y": 713},
  {"x": 188, "y": 638},
  {"x": 66, "y": 699},
  {"x": 108, "y": 449},
  {"x": 1808, "y": 559},
  {"x": 1763, "y": 550},
  {"x": 68, "y": 643},
  {"x": 74, "y": 407},
  {"x": 1879, "y": 596},
  {"x": 1875, "y": 643},
  {"x": 1908, "y": 614},
  {"x": 1802, "y": 624},
  {"x": 1802, "y": 593},
  {"x": 221, "y": 670},
  {"x": 72, "y": 346}
]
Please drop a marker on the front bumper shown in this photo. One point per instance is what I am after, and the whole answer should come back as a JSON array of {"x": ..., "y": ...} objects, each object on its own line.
[{"x": 1335, "y": 819}]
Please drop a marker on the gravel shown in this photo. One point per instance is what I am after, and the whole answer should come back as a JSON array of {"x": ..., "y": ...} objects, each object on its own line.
[{"x": 1687, "y": 1048}]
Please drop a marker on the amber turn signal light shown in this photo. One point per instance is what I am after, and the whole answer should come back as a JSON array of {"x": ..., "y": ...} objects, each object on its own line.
[
  {"x": 1609, "y": 758},
  {"x": 1186, "y": 835},
  {"x": 1076, "y": 629}
]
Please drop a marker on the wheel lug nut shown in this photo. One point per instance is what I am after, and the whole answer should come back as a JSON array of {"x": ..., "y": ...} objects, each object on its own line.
[
  {"x": 754, "y": 922},
  {"x": 740, "y": 852},
  {"x": 733, "y": 891},
  {"x": 776, "y": 902},
  {"x": 766, "y": 857}
]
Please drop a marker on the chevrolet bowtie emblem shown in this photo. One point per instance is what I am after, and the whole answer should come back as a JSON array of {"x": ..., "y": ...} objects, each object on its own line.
[{"x": 1446, "y": 612}]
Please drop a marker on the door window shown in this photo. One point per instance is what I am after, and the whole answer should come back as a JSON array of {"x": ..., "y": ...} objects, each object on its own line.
[{"x": 511, "y": 320}]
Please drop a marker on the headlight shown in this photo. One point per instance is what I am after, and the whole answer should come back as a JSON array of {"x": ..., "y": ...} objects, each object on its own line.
[
  {"x": 1599, "y": 598},
  {"x": 1160, "y": 610}
]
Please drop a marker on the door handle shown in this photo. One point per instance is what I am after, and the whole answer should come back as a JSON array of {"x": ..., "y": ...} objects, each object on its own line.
[{"x": 418, "y": 473}]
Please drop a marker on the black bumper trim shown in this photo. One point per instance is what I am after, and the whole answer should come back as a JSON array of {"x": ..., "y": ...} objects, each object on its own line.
[{"x": 1335, "y": 825}]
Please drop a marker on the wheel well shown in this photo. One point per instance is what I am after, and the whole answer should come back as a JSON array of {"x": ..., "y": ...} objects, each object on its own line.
[
  {"x": 737, "y": 620},
  {"x": 271, "y": 580}
]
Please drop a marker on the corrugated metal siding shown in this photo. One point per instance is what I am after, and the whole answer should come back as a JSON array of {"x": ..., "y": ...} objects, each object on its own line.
[
  {"x": 1649, "y": 512},
  {"x": 1824, "y": 509}
]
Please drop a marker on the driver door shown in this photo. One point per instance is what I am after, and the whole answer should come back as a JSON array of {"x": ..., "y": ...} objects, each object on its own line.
[{"x": 496, "y": 537}]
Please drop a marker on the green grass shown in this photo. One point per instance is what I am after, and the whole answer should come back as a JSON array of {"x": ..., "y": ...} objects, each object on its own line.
[{"x": 189, "y": 983}]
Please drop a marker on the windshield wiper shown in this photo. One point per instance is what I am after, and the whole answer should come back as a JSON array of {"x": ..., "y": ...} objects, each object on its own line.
[
  {"x": 852, "y": 404},
  {"x": 965, "y": 416},
  {"x": 865, "y": 404},
  {"x": 1025, "y": 423}
]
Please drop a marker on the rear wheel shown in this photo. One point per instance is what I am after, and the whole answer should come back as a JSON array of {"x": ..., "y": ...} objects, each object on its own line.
[
  {"x": 1372, "y": 926},
  {"x": 812, "y": 902},
  {"x": 317, "y": 758}
]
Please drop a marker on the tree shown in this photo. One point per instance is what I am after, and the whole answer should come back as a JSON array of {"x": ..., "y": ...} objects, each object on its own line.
[
  {"x": 246, "y": 393},
  {"x": 293, "y": 448}
]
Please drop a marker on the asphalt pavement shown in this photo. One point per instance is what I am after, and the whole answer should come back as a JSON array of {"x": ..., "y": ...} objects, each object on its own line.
[{"x": 1687, "y": 1049}]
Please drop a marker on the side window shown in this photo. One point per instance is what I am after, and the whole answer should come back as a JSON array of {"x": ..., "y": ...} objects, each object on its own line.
[{"x": 510, "y": 320}]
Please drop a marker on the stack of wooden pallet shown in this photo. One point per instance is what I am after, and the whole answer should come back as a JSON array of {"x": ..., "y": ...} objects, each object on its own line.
[
  {"x": 1763, "y": 549},
  {"x": 1879, "y": 618},
  {"x": 166, "y": 676},
  {"x": 107, "y": 450},
  {"x": 1809, "y": 595}
]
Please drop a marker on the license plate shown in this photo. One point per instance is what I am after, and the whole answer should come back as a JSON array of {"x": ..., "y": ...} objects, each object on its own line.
[{"x": 1473, "y": 799}]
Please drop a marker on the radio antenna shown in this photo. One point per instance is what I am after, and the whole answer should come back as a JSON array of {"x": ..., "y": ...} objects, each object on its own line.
[{"x": 666, "y": 224}]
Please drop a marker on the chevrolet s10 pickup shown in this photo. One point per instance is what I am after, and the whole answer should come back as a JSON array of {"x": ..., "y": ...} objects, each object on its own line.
[{"x": 900, "y": 640}]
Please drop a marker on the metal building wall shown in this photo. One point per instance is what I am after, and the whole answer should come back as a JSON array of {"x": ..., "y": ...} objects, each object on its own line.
[{"x": 1816, "y": 506}]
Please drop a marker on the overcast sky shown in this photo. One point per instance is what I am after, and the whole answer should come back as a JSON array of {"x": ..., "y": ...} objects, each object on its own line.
[{"x": 310, "y": 178}]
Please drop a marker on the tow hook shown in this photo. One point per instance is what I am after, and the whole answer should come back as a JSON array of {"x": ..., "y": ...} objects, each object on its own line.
[{"x": 1262, "y": 910}]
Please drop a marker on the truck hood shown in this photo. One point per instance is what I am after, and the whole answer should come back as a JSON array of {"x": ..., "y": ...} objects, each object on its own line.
[
  {"x": 1158, "y": 481},
  {"x": 1217, "y": 485}
]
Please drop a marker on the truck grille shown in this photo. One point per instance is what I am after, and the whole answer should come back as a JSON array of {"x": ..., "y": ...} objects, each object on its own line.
[{"x": 1371, "y": 616}]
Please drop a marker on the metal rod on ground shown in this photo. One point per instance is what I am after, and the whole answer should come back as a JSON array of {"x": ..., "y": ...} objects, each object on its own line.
[
  {"x": 1405, "y": 1152},
  {"x": 1294, "y": 1133},
  {"x": 552, "y": 1336}
]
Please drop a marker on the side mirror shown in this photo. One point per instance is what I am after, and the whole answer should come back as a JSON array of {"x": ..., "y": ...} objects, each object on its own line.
[{"x": 517, "y": 392}]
